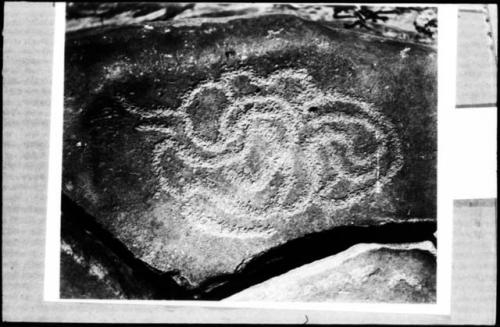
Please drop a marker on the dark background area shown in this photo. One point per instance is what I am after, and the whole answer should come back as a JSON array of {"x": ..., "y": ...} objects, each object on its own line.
[{"x": 417, "y": 24}]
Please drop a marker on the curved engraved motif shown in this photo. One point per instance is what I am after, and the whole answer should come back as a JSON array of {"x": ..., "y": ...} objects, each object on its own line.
[{"x": 244, "y": 153}]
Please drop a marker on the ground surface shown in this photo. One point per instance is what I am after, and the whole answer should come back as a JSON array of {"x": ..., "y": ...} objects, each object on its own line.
[{"x": 416, "y": 24}]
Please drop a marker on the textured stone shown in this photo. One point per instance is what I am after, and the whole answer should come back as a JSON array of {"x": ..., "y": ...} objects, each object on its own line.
[
  {"x": 95, "y": 266},
  {"x": 203, "y": 146},
  {"x": 404, "y": 273},
  {"x": 82, "y": 278}
]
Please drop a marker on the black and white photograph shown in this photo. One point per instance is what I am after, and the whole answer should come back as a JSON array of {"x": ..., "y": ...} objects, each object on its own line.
[
  {"x": 249, "y": 163},
  {"x": 249, "y": 152}
]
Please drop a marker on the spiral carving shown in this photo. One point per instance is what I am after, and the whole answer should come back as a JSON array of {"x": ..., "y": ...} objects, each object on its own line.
[{"x": 245, "y": 153}]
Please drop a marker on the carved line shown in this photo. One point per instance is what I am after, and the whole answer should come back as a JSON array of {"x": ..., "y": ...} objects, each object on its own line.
[{"x": 228, "y": 157}]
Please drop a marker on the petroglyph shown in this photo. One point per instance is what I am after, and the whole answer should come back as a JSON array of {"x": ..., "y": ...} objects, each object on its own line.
[{"x": 243, "y": 154}]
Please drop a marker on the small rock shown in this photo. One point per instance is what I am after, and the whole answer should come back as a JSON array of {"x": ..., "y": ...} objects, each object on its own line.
[{"x": 404, "y": 273}]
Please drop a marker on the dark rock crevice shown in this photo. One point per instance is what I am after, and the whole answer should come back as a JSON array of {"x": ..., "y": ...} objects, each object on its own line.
[
  {"x": 141, "y": 281},
  {"x": 136, "y": 279}
]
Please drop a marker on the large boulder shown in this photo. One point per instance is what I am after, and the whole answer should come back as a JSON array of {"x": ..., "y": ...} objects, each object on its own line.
[
  {"x": 202, "y": 145},
  {"x": 391, "y": 273}
]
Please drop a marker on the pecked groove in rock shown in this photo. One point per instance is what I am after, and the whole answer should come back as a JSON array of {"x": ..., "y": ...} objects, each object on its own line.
[
  {"x": 257, "y": 160},
  {"x": 198, "y": 160}
]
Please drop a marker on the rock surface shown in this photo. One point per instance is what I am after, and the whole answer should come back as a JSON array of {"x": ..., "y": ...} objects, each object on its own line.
[
  {"x": 95, "y": 266},
  {"x": 404, "y": 273},
  {"x": 203, "y": 145}
]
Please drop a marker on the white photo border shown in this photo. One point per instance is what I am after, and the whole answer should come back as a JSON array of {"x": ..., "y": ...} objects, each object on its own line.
[{"x": 447, "y": 31}]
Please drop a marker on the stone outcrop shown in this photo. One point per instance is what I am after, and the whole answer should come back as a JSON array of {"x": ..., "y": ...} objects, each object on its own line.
[
  {"x": 203, "y": 145},
  {"x": 397, "y": 273}
]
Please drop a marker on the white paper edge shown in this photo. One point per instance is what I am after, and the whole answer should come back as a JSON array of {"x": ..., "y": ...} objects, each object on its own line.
[
  {"x": 447, "y": 66},
  {"x": 447, "y": 20},
  {"x": 52, "y": 244}
]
